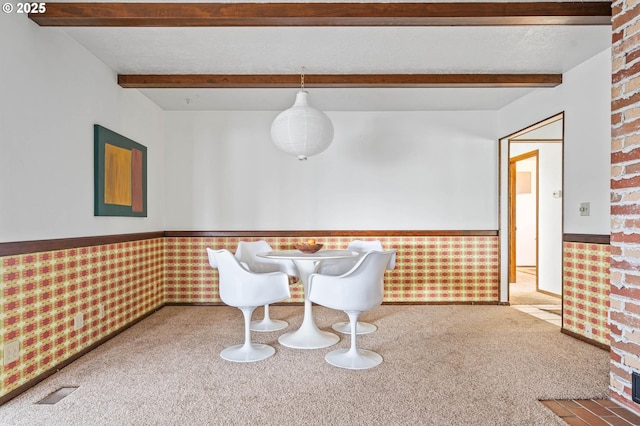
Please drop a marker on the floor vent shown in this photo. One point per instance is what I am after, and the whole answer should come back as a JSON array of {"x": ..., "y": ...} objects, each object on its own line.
[
  {"x": 635, "y": 387},
  {"x": 55, "y": 397}
]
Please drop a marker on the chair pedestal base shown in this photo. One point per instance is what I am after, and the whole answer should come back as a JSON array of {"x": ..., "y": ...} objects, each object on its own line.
[
  {"x": 361, "y": 327},
  {"x": 247, "y": 353},
  {"x": 360, "y": 359},
  {"x": 268, "y": 324}
]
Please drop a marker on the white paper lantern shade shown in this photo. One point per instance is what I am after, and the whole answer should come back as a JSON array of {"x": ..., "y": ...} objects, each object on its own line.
[{"x": 302, "y": 130}]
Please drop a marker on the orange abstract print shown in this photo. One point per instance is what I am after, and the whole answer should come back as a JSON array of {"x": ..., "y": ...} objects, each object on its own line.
[
  {"x": 117, "y": 175},
  {"x": 137, "y": 192}
]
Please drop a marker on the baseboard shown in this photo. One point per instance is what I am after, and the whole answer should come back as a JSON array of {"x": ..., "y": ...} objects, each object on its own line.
[
  {"x": 548, "y": 293},
  {"x": 585, "y": 339},
  {"x": 302, "y": 303}
]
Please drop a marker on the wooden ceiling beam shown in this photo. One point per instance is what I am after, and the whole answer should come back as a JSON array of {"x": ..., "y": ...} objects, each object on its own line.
[
  {"x": 323, "y": 14},
  {"x": 222, "y": 81}
]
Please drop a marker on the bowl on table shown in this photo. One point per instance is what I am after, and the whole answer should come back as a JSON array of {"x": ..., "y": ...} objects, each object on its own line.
[{"x": 308, "y": 247}]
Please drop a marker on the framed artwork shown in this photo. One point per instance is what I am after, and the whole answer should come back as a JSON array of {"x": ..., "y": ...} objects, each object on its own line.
[{"x": 120, "y": 175}]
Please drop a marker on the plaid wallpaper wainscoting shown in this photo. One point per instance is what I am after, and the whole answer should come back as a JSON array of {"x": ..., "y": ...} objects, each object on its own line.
[
  {"x": 586, "y": 290},
  {"x": 453, "y": 269},
  {"x": 43, "y": 293},
  {"x": 113, "y": 285}
]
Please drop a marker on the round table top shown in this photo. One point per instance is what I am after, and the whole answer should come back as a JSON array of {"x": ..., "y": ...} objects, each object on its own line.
[{"x": 319, "y": 255}]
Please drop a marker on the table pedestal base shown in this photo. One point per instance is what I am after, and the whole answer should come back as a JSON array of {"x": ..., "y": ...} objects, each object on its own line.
[
  {"x": 302, "y": 339},
  {"x": 308, "y": 336}
]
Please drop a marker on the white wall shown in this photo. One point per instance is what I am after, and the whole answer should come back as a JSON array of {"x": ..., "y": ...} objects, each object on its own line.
[
  {"x": 585, "y": 98},
  {"x": 384, "y": 170},
  {"x": 52, "y": 93}
]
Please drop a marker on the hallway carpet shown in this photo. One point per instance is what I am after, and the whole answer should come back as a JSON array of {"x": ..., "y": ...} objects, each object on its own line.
[{"x": 523, "y": 292}]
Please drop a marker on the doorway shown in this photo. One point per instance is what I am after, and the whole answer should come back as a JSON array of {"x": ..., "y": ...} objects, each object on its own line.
[
  {"x": 531, "y": 192},
  {"x": 523, "y": 227}
]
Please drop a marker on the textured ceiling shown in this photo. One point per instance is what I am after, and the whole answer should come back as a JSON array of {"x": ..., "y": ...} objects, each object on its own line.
[
  {"x": 539, "y": 49},
  {"x": 342, "y": 50}
]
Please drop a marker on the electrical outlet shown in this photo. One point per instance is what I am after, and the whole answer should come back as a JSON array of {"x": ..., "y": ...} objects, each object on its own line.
[
  {"x": 78, "y": 321},
  {"x": 11, "y": 352},
  {"x": 585, "y": 209},
  {"x": 588, "y": 331},
  {"x": 100, "y": 311}
]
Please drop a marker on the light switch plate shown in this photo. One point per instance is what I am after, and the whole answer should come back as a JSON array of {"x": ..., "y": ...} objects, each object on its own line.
[{"x": 585, "y": 209}]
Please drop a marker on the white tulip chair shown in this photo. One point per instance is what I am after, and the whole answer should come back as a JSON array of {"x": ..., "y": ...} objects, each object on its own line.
[
  {"x": 247, "y": 290},
  {"x": 246, "y": 254},
  {"x": 358, "y": 290},
  {"x": 340, "y": 266}
]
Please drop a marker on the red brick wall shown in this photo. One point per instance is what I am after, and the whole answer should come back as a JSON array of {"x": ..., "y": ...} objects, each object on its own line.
[{"x": 624, "y": 315}]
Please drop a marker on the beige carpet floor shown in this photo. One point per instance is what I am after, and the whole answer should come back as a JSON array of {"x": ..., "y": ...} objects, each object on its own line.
[
  {"x": 443, "y": 365},
  {"x": 523, "y": 291}
]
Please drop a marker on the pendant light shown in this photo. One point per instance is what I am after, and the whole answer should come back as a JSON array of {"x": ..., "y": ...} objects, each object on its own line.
[{"x": 302, "y": 130}]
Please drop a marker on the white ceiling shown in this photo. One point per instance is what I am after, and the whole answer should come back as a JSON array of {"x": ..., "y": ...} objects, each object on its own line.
[{"x": 341, "y": 50}]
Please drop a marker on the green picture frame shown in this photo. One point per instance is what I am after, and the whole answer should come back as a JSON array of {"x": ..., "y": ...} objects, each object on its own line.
[{"x": 120, "y": 175}]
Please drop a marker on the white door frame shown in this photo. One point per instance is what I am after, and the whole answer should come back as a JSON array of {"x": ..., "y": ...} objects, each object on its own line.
[{"x": 503, "y": 197}]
